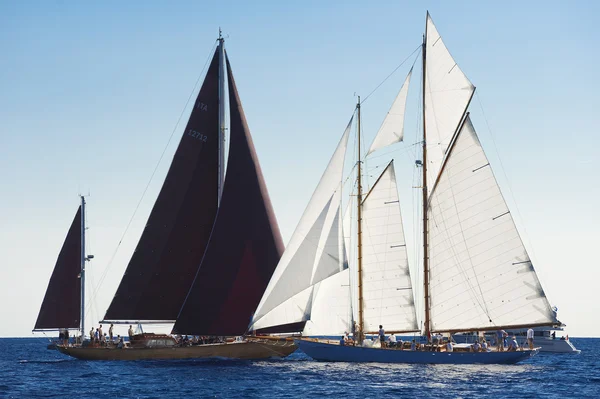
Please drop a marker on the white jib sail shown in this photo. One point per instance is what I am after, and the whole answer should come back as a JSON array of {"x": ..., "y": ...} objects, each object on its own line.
[
  {"x": 447, "y": 95},
  {"x": 392, "y": 128},
  {"x": 480, "y": 273},
  {"x": 314, "y": 251},
  {"x": 387, "y": 289}
]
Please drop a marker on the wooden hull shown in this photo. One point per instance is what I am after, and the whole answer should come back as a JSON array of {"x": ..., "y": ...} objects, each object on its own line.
[
  {"x": 336, "y": 353},
  {"x": 234, "y": 350}
]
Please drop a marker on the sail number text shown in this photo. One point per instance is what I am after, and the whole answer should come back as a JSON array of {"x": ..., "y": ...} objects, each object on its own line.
[{"x": 197, "y": 135}]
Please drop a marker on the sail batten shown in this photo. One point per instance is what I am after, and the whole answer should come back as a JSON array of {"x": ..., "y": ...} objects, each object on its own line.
[
  {"x": 392, "y": 128},
  {"x": 169, "y": 252},
  {"x": 480, "y": 274},
  {"x": 61, "y": 305},
  {"x": 245, "y": 244}
]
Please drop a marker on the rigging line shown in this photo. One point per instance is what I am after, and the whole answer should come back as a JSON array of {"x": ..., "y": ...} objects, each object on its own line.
[
  {"x": 394, "y": 71},
  {"x": 105, "y": 273}
]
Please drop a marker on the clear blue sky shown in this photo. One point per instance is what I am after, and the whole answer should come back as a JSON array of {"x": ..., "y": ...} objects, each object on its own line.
[{"x": 91, "y": 92}]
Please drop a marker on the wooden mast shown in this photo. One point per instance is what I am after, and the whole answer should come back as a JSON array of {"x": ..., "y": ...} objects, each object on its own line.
[
  {"x": 359, "y": 231},
  {"x": 424, "y": 188}
]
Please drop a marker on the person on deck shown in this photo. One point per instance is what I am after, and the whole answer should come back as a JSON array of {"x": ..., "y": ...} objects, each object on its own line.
[
  {"x": 392, "y": 341},
  {"x": 449, "y": 346},
  {"x": 100, "y": 330},
  {"x": 347, "y": 340},
  {"x": 121, "y": 343},
  {"x": 96, "y": 336},
  {"x": 110, "y": 331},
  {"x": 130, "y": 332},
  {"x": 92, "y": 334},
  {"x": 500, "y": 334},
  {"x": 530, "y": 338},
  {"x": 513, "y": 346},
  {"x": 476, "y": 347},
  {"x": 484, "y": 346},
  {"x": 381, "y": 336},
  {"x": 413, "y": 345},
  {"x": 553, "y": 334}
]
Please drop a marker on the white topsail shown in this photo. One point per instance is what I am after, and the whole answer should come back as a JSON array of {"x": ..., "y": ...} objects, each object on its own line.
[
  {"x": 316, "y": 247},
  {"x": 387, "y": 290},
  {"x": 480, "y": 273},
  {"x": 392, "y": 128},
  {"x": 447, "y": 95}
]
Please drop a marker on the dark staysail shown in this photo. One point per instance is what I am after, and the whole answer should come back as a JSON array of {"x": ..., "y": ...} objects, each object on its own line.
[
  {"x": 172, "y": 245},
  {"x": 245, "y": 245},
  {"x": 61, "y": 306}
]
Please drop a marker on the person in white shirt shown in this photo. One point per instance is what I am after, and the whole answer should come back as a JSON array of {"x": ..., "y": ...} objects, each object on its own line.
[
  {"x": 413, "y": 346},
  {"x": 513, "y": 345},
  {"x": 476, "y": 347},
  {"x": 530, "y": 338},
  {"x": 449, "y": 347},
  {"x": 484, "y": 346},
  {"x": 392, "y": 340}
]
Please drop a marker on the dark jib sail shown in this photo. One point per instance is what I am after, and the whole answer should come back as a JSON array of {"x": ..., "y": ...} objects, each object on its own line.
[
  {"x": 62, "y": 302},
  {"x": 171, "y": 247},
  {"x": 245, "y": 245}
]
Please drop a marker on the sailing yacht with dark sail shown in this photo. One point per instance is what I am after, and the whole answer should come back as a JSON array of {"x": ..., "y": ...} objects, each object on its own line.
[
  {"x": 210, "y": 245},
  {"x": 63, "y": 307},
  {"x": 477, "y": 275}
]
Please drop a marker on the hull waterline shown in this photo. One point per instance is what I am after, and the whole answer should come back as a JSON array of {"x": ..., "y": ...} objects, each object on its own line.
[
  {"x": 336, "y": 353},
  {"x": 236, "y": 350}
]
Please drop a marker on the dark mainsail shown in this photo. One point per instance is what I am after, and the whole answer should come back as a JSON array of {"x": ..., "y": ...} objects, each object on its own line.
[
  {"x": 62, "y": 302},
  {"x": 166, "y": 259},
  {"x": 245, "y": 245}
]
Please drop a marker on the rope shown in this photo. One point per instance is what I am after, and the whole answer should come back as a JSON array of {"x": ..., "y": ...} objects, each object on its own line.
[{"x": 390, "y": 75}]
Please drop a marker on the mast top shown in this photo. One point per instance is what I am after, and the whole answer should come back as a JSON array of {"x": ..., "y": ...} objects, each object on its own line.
[{"x": 220, "y": 35}]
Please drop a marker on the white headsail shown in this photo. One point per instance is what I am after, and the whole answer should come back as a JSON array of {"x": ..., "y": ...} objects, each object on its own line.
[
  {"x": 387, "y": 289},
  {"x": 392, "y": 128},
  {"x": 447, "y": 94},
  {"x": 314, "y": 251},
  {"x": 480, "y": 273}
]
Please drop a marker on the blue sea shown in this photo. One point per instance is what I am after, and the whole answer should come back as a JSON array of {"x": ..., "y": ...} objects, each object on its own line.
[{"x": 29, "y": 370}]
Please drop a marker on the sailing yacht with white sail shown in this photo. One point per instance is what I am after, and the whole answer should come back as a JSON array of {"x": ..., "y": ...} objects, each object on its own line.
[{"x": 477, "y": 273}]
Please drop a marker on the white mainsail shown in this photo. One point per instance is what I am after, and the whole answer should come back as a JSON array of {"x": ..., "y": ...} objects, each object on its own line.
[
  {"x": 480, "y": 273},
  {"x": 392, "y": 128},
  {"x": 387, "y": 289},
  {"x": 447, "y": 95},
  {"x": 315, "y": 245}
]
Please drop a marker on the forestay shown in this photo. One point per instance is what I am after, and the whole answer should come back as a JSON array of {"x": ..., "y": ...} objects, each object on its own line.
[
  {"x": 447, "y": 95},
  {"x": 315, "y": 250},
  {"x": 392, "y": 128},
  {"x": 387, "y": 290},
  {"x": 480, "y": 273}
]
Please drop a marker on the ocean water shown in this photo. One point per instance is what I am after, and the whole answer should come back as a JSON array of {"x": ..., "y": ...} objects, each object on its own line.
[{"x": 29, "y": 370}]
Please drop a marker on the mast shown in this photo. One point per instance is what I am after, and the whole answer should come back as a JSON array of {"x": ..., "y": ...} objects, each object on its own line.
[
  {"x": 221, "y": 173},
  {"x": 83, "y": 259},
  {"x": 359, "y": 230},
  {"x": 424, "y": 188}
]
